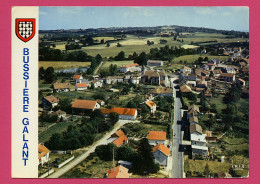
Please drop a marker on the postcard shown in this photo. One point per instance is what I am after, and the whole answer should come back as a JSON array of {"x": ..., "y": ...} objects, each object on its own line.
[{"x": 130, "y": 92}]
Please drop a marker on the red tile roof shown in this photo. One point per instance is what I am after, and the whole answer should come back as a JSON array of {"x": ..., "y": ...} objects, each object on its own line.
[
  {"x": 162, "y": 148},
  {"x": 82, "y": 85},
  {"x": 120, "y": 111},
  {"x": 226, "y": 75},
  {"x": 61, "y": 85},
  {"x": 118, "y": 172},
  {"x": 42, "y": 150},
  {"x": 157, "y": 135},
  {"x": 51, "y": 99},
  {"x": 76, "y": 77},
  {"x": 84, "y": 104},
  {"x": 150, "y": 103},
  {"x": 121, "y": 140},
  {"x": 118, "y": 133}
]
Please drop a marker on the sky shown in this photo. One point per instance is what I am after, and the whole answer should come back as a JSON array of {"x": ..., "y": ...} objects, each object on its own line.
[{"x": 224, "y": 18}]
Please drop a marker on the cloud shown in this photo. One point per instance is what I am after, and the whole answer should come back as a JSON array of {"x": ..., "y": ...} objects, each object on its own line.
[{"x": 205, "y": 10}]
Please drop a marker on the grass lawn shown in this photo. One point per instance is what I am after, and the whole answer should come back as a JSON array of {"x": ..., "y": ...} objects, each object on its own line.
[
  {"x": 218, "y": 100},
  {"x": 106, "y": 64},
  {"x": 235, "y": 144},
  {"x": 199, "y": 166},
  {"x": 141, "y": 130},
  {"x": 89, "y": 168},
  {"x": 57, "y": 65},
  {"x": 87, "y": 95},
  {"x": 57, "y": 128}
]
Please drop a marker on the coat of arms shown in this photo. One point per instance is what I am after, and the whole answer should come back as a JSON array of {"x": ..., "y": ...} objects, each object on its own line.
[{"x": 25, "y": 29}]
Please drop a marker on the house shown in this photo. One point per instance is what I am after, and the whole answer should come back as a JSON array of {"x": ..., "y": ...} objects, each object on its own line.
[
  {"x": 193, "y": 120},
  {"x": 202, "y": 84},
  {"x": 124, "y": 113},
  {"x": 118, "y": 138},
  {"x": 84, "y": 106},
  {"x": 162, "y": 91},
  {"x": 193, "y": 110},
  {"x": 151, "y": 105},
  {"x": 118, "y": 172},
  {"x": 214, "y": 61},
  {"x": 198, "y": 140},
  {"x": 160, "y": 154},
  {"x": 43, "y": 154},
  {"x": 49, "y": 102},
  {"x": 241, "y": 82},
  {"x": 130, "y": 68},
  {"x": 59, "y": 113},
  {"x": 135, "y": 79},
  {"x": 185, "y": 69},
  {"x": 156, "y": 137},
  {"x": 185, "y": 89},
  {"x": 77, "y": 78},
  {"x": 154, "y": 63},
  {"x": 61, "y": 87},
  {"x": 126, "y": 164},
  {"x": 81, "y": 86},
  {"x": 151, "y": 77},
  {"x": 113, "y": 79},
  {"x": 208, "y": 93},
  {"x": 101, "y": 102},
  {"x": 97, "y": 83},
  {"x": 228, "y": 77}
]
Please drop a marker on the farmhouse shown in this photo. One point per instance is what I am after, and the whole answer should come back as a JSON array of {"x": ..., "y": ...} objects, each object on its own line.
[
  {"x": 118, "y": 172},
  {"x": 193, "y": 120},
  {"x": 228, "y": 77},
  {"x": 97, "y": 83},
  {"x": 151, "y": 105},
  {"x": 156, "y": 137},
  {"x": 77, "y": 78},
  {"x": 193, "y": 110},
  {"x": 49, "y": 102},
  {"x": 135, "y": 79},
  {"x": 130, "y": 68},
  {"x": 84, "y": 106},
  {"x": 185, "y": 69},
  {"x": 43, "y": 154},
  {"x": 198, "y": 140},
  {"x": 124, "y": 113},
  {"x": 118, "y": 138},
  {"x": 61, "y": 87},
  {"x": 113, "y": 79},
  {"x": 154, "y": 63},
  {"x": 81, "y": 86},
  {"x": 59, "y": 113},
  {"x": 162, "y": 91},
  {"x": 160, "y": 154}
]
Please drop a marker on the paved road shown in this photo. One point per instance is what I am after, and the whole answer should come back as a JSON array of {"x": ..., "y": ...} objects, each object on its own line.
[
  {"x": 98, "y": 67},
  {"x": 102, "y": 141},
  {"x": 177, "y": 157}
]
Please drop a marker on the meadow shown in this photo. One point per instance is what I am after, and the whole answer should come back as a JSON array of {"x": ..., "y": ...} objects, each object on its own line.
[{"x": 57, "y": 65}]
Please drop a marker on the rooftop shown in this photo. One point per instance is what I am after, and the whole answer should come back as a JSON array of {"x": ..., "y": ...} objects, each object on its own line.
[
  {"x": 157, "y": 135},
  {"x": 162, "y": 148},
  {"x": 118, "y": 172},
  {"x": 84, "y": 104}
]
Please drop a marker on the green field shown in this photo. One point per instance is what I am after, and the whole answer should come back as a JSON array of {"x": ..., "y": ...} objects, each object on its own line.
[
  {"x": 106, "y": 64},
  {"x": 57, "y": 128},
  {"x": 57, "y": 65}
]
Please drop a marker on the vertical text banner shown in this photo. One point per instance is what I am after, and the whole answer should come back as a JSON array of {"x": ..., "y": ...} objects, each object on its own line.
[{"x": 25, "y": 92}]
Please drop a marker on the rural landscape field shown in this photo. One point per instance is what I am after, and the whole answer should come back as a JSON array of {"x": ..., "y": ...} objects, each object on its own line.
[{"x": 162, "y": 101}]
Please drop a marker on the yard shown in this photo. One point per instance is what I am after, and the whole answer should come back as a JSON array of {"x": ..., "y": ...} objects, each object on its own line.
[
  {"x": 89, "y": 168},
  {"x": 45, "y": 135},
  {"x": 106, "y": 64}
]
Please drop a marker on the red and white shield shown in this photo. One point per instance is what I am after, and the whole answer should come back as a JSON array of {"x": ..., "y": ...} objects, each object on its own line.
[{"x": 25, "y": 29}]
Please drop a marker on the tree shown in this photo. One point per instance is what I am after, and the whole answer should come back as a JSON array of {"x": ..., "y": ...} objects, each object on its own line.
[
  {"x": 41, "y": 73},
  {"x": 124, "y": 153},
  {"x": 55, "y": 142},
  {"x": 131, "y": 104},
  {"x": 49, "y": 75},
  {"x": 113, "y": 117},
  {"x": 143, "y": 163},
  {"x": 206, "y": 58},
  {"x": 120, "y": 56},
  {"x": 105, "y": 152},
  {"x": 108, "y": 45},
  {"x": 141, "y": 59},
  {"x": 206, "y": 170},
  {"x": 65, "y": 105},
  {"x": 97, "y": 114},
  {"x": 118, "y": 44}
]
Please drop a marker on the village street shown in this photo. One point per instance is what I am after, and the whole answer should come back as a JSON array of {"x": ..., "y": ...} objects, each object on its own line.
[
  {"x": 177, "y": 155},
  {"x": 102, "y": 141}
]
